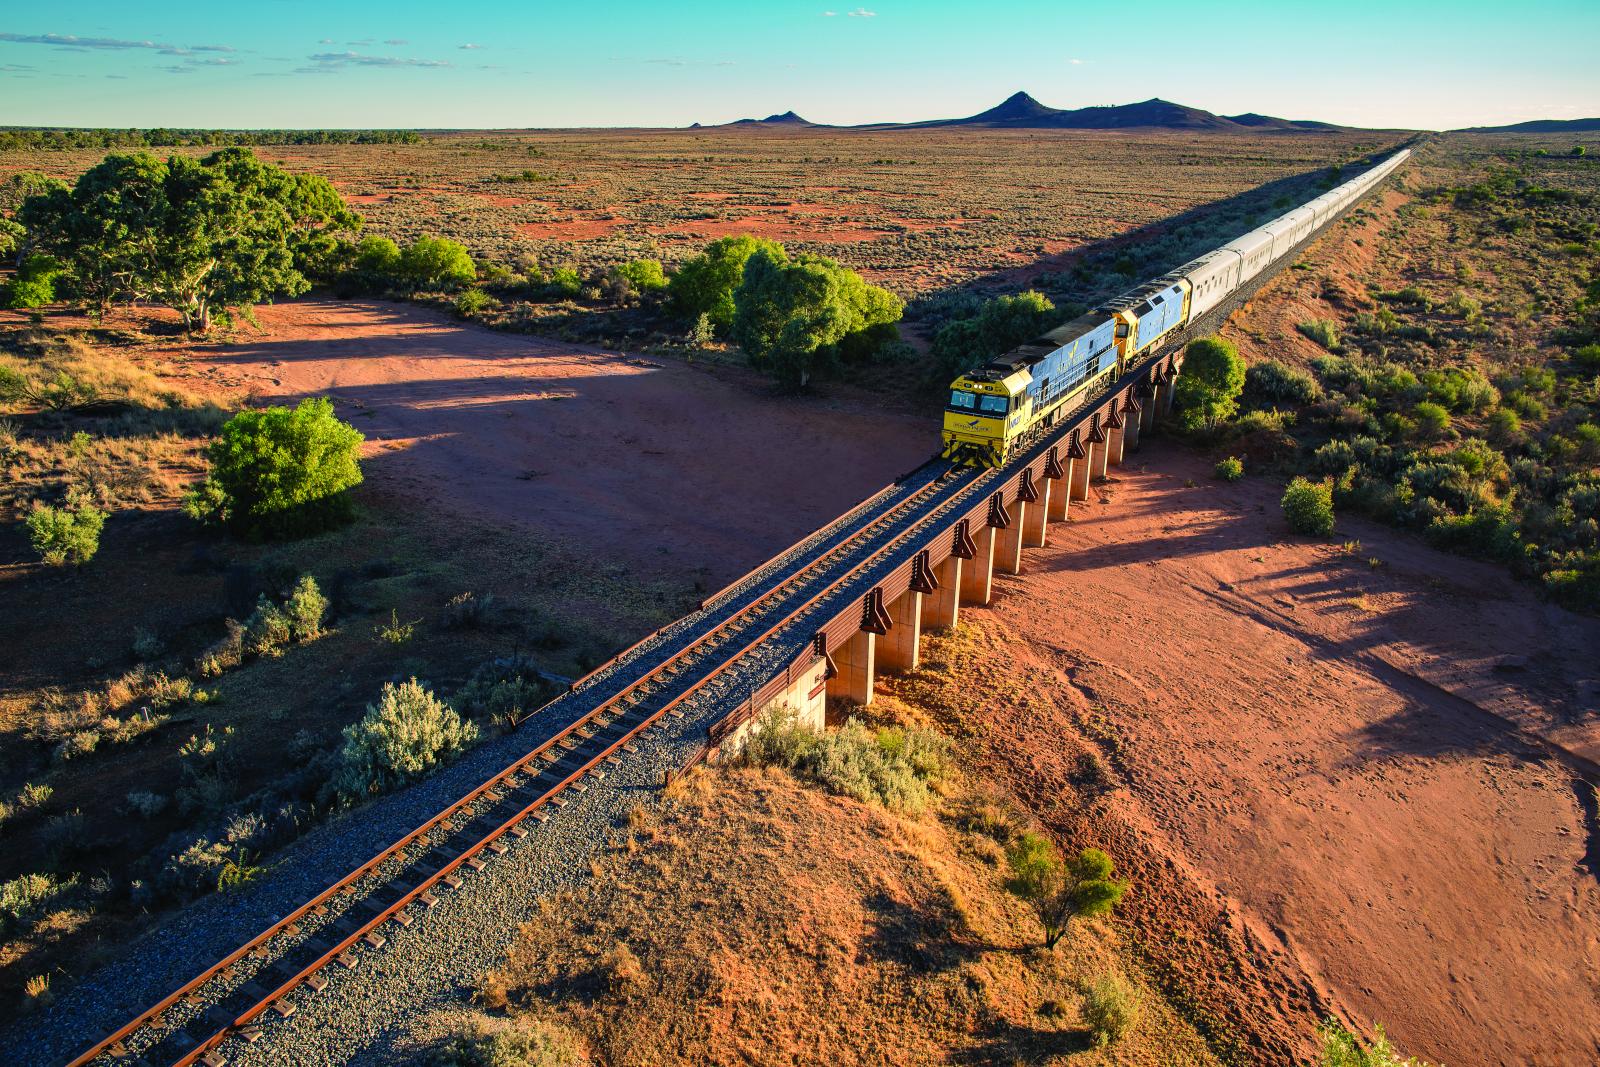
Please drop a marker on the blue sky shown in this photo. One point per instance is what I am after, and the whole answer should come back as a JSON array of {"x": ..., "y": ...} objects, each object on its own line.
[{"x": 401, "y": 63}]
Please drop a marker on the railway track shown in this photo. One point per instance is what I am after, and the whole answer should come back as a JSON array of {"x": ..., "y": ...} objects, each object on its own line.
[
  {"x": 738, "y": 638},
  {"x": 336, "y": 925}
]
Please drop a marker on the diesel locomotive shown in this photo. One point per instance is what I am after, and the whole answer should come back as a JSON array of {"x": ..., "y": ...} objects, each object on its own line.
[{"x": 996, "y": 405}]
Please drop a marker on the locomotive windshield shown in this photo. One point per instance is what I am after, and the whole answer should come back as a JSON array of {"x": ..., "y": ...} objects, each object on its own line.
[{"x": 984, "y": 404}]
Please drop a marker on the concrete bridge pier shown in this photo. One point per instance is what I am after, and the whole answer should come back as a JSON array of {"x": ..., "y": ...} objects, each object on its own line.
[
  {"x": 1078, "y": 474},
  {"x": 900, "y": 648},
  {"x": 1164, "y": 396},
  {"x": 1099, "y": 455},
  {"x": 941, "y": 609},
  {"x": 807, "y": 696},
  {"x": 1008, "y": 554},
  {"x": 1060, "y": 476},
  {"x": 1036, "y": 530},
  {"x": 855, "y": 662},
  {"x": 1147, "y": 411},
  {"x": 1116, "y": 439},
  {"x": 1130, "y": 418},
  {"x": 977, "y": 573}
]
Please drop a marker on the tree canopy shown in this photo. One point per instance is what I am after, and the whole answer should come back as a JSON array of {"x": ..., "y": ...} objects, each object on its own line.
[
  {"x": 1061, "y": 890},
  {"x": 704, "y": 285},
  {"x": 999, "y": 326},
  {"x": 1208, "y": 389},
  {"x": 796, "y": 316},
  {"x": 199, "y": 236}
]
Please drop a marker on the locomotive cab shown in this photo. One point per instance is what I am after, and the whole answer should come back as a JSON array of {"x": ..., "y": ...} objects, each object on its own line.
[{"x": 987, "y": 407}]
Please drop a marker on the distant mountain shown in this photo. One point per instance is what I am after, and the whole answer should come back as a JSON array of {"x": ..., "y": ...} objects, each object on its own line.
[
  {"x": 1021, "y": 111},
  {"x": 788, "y": 118},
  {"x": 1540, "y": 126}
]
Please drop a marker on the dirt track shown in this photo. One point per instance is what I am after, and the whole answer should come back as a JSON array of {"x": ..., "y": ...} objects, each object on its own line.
[
  {"x": 1334, "y": 749},
  {"x": 649, "y": 463}
]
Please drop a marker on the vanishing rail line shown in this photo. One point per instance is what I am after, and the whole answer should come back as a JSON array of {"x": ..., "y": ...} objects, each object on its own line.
[{"x": 468, "y": 832}]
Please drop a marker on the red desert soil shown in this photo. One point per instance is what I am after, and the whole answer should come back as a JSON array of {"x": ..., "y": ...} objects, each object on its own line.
[
  {"x": 1356, "y": 761},
  {"x": 653, "y": 463}
]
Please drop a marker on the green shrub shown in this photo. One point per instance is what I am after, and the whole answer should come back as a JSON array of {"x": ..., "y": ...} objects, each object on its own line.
[
  {"x": 279, "y": 472},
  {"x": 1111, "y": 1009},
  {"x": 1323, "y": 331},
  {"x": 1505, "y": 427},
  {"x": 1309, "y": 507},
  {"x": 65, "y": 535},
  {"x": 145, "y": 804},
  {"x": 1587, "y": 358},
  {"x": 401, "y": 737},
  {"x": 1341, "y": 1048},
  {"x": 305, "y": 609},
  {"x": 268, "y": 630},
  {"x": 34, "y": 285},
  {"x": 1230, "y": 469},
  {"x": 474, "y": 302},
  {"x": 436, "y": 263},
  {"x": 1273, "y": 382},
  {"x": 1460, "y": 389},
  {"x": 642, "y": 275},
  {"x": 1431, "y": 420},
  {"x": 24, "y": 897},
  {"x": 378, "y": 257}
]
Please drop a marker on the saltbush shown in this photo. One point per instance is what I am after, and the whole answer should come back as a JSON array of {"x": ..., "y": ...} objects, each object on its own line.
[
  {"x": 1273, "y": 382},
  {"x": 279, "y": 472},
  {"x": 1111, "y": 1009},
  {"x": 888, "y": 766},
  {"x": 505, "y": 690},
  {"x": 305, "y": 609},
  {"x": 1308, "y": 506},
  {"x": 1230, "y": 469},
  {"x": 403, "y": 736},
  {"x": 526, "y": 1043},
  {"x": 474, "y": 302},
  {"x": 26, "y": 896}
]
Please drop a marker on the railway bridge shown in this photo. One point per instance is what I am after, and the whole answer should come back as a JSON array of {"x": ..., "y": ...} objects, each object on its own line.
[{"x": 818, "y": 621}]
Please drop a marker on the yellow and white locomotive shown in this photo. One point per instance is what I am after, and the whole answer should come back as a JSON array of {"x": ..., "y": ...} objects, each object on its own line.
[{"x": 993, "y": 406}]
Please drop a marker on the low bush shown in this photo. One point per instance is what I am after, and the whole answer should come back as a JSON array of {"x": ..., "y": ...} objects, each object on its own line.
[
  {"x": 474, "y": 302},
  {"x": 25, "y": 897},
  {"x": 1323, "y": 331},
  {"x": 504, "y": 690},
  {"x": 145, "y": 804},
  {"x": 1111, "y": 1009},
  {"x": 1341, "y": 1048},
  {"x": 524, "y": 1043},
  {"x": 65, "y": 535},
  {"x": 305, "y": 609},
  {"x": 1432, "y": 420},
  {"x": 1308, "y": 506},
  {"x": 1274, "y": 382},
  {"x": 890, "y": 766},
  {"x": 1230, "y": 469},
  {"x": 404, "y": 735},
  {"x": 468, "y": 611}
]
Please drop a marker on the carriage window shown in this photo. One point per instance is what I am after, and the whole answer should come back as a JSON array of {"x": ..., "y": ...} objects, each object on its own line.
[
  {"x": 992, "y": 405},
  {"x": 963, "y": 400}
]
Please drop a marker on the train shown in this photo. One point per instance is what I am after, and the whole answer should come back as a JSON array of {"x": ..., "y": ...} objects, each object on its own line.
[{"x": 993, "y": 407}]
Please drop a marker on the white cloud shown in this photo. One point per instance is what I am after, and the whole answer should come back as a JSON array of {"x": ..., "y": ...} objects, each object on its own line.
[
  {"x": 396, "y": 41},
  {"x": 863, "y": 13},
  {"x": 331, "y": 61},
  {"x": 830, "y": 14},
  {"x": 471, "y": 47},
  {"x": 75, "y": 43}
]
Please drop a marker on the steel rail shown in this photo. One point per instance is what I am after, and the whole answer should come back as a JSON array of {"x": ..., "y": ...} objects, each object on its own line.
[
  {"x": 584, "y": 769},
  {"x": 807, "y": 568}
]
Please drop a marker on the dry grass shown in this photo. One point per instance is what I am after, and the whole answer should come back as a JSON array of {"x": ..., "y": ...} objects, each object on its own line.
[
  {"x": 754, "y": 919},
  {"x": 915, "y": 209}
]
